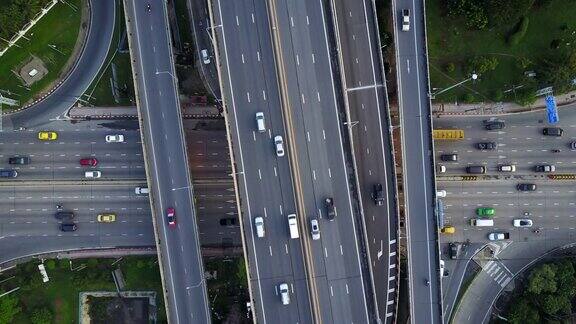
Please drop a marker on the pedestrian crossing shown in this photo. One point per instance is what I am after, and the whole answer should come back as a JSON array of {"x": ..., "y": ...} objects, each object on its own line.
[{"x": 498, "y": 272}]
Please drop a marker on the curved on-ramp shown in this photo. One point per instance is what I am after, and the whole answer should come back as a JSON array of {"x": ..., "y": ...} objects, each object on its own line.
[{"x": 85, "y": 69}]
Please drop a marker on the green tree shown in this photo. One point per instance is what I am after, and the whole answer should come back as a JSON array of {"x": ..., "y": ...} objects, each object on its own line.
[
  {"x": 523, "y": 312},
  {"x": 8, "y": 308},
  {"x": 503, "y": 12},
  {"x": 558, "y": 71},
  {"x": 41, "y": 316},
  {"x": 482, "y": 64},
  {"x": 542, "y": 279}
]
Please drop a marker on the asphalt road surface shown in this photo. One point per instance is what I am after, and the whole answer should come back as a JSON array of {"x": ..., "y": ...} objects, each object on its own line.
[
  {"x": 59, "y": 159},
  {"x": 522, "y": 144},
  {"x": 321, "y": 166},
  {"x": 412, "y": 72},
  {"x": 366, "y": 98},
  {"x": 264, "y": 182},
  {"x": 93, "y": 56},
  {"x": 163, "y": 137}
]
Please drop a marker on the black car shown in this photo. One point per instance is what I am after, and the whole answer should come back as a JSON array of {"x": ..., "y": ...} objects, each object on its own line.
[
  {"x": 526, "y": 187},
  {"x": 8, "y": 174},
  {"x": 378, "y": 194},
  {"x": 19, "y": 160},
  {"x": 486, "y": 145},
  {"x": 228, "y": 221},
  {"x": 63, "y": 215},
  {"x": 330, "y": 210},
  {"x": 494, "y": 125},
  {"x": 454, "y": 250},
  {"x": 68, "y": 227},
  {"x": 449, "y": 157},
  {"x": 544, "y": 168},
  {"x": 553, "y": 131},
  {"x": 476, "y": 169}
]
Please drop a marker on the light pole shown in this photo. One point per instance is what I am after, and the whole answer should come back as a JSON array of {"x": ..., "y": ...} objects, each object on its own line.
[{"x": 474, "y": 76}]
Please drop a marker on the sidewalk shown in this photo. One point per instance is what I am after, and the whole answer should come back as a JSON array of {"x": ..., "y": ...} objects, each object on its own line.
[
  {"x": 497, "y": 108},
  {"x": 131, "y": 112}
]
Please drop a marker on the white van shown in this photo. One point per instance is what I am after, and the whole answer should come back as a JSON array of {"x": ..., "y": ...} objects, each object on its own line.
[
  {"x": 260, "y": 123},
  {"x": 293, "y": 226},
  {"x": 259, "y": 224},
  {"x": 481, "y": 222}
]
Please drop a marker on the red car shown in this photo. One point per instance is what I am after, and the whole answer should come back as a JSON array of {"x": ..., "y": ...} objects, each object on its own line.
[
  {"x": 171, "y": 216},
  {"x": 89, "y": 162}
]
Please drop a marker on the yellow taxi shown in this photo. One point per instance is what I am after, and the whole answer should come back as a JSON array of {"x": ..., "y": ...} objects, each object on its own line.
[
  {"x": 106, "y": 218},
  {"x": 47, "y": 136},
  {"x": 448, "y": 229}
]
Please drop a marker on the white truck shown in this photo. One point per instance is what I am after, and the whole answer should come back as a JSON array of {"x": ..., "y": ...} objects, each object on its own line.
[{"x": 293, "y": 226}]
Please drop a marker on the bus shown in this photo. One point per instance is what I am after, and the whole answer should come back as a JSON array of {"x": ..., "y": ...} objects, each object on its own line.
[{"x": 448, "y": 134}]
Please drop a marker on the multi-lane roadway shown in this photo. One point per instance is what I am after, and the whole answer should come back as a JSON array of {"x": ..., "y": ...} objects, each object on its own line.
[
  {"x": 369, "y": 120},
  {"x": 167, "y": 161},
  {"x": 418, "y": 174}
]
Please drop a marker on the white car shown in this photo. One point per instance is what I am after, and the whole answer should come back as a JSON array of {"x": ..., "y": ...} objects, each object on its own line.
[
  {"x": 279, "y": 144},
  {"x": 405, "y": 19},
  {"x": 440, "y": 193},
  {"x": 496, "y": 236},
  {"x": 205, "y": 57},
  {"x": 141, "y": 191},
  {"x": 523, "y": 222},
  {"x": 117, "y": 138},
  {"x": 315, "y": 229},
  {"x": 440, "y": 168},
  {"x": 92, "y": 174},
  {"x": 284, "y": 293},
  {"x": 259, "y": 225},
  {"x": 507, "y": 168}
]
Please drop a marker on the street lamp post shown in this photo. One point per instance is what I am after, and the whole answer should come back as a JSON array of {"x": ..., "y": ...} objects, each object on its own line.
[{"x": 474, "y": 76}]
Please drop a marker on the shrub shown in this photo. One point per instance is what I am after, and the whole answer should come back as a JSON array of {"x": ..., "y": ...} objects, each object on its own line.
[
  {"x": 519, "y": 33},
  {"x": 450, "y": 67},
  {"x": 50, "y": 264}
]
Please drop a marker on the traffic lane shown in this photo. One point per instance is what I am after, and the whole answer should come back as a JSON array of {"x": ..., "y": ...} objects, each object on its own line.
[
  {"x": 313, "y": 90},
  {"x": 162, "y": 84},
  {"x": 355, "y": 40},
  {"x": 59, "y": 172},
  {"x": 92, "y": 57},
  {"x": 16, "y": 247},
  {"x": 273, "y": 179},
  {"x": 84, "y": 229}
]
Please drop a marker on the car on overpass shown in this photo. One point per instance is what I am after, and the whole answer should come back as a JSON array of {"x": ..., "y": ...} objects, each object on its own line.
[
  {"x": 330, "y": 209},
  {"x": 171, "y": 216},
  {"x": 405, "y": 19}
]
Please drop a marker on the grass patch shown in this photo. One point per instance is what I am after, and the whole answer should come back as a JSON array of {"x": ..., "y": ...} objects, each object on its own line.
[
  {"x": 59, "y": 28},
  {"x": 450, "y": 44},
  {"x": 100, "y": 92},
  {"x": 228, "y": 292},
  {"x": 183, "y": 21},
  {"x": 60, "y": 294}
]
